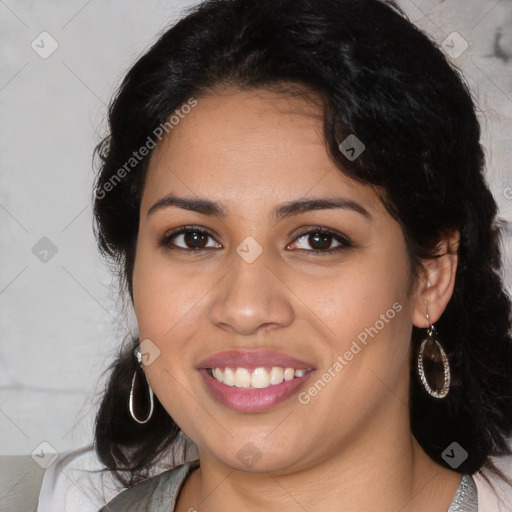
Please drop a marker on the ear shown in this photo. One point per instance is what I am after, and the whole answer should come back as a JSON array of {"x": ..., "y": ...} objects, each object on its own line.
[{"x": 436, "y": 281}]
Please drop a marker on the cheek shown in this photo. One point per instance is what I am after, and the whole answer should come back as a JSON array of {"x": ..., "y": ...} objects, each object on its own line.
[
  {"x": 163, "y": 298},
  {"x": 359, "y": 296},
  {"x": 366, "y": 313},
  {"x": 167, "y": 306}
]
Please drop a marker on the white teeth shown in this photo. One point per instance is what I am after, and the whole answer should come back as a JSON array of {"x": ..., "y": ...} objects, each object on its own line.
[
  {"x": 289, "y": 374},
  {"x": 276, "y": 375},
  {"x": 217, "y": 373},
  {"x": 260, "y": 378},
  {"x": 242, "y": 378},
  {"x": 229, "y": 377}
]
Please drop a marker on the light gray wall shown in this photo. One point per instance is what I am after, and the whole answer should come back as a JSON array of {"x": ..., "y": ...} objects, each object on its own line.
[{"x": 60, "y": 319}]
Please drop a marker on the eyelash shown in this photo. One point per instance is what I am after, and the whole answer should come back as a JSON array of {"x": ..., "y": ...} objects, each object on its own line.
[{"x": 345, "y": 243}]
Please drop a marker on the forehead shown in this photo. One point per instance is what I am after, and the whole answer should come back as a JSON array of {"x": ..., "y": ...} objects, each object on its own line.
[{"x": 243, "y": 146}]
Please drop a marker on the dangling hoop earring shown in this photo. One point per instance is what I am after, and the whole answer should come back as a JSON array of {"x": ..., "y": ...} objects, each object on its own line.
[
  {"x": 430, "y": 342},
  {"x": 132, "y": 389}
]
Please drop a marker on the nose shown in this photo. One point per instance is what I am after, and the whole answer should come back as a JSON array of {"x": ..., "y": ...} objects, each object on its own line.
[{"x": 252, "y": 297}]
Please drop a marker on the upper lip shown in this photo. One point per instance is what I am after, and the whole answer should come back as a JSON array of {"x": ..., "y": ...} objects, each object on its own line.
[{"x": 252, "y": 358}]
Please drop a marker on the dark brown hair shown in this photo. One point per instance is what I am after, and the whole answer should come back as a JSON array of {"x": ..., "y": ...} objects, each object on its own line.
[{"x": 383, "y": 80}]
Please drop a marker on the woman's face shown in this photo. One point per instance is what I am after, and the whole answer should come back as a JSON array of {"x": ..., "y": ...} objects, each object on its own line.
[{"x": 255, "y": 286}]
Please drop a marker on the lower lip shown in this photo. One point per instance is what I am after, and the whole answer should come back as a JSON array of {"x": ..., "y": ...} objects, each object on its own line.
[{"x": 253, "y": 400}]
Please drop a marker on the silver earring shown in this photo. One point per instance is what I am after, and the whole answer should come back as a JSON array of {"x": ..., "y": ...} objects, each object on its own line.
[
  {"x": 434, "y": 352},
  {"x": 132, "y": 389}
]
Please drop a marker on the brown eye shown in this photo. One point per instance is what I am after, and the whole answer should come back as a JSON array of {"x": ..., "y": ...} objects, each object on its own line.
[
  {"x": 188, "y": 239},
  {"x": 195, "y": 239},
  {"x": 320, "y": 240}
]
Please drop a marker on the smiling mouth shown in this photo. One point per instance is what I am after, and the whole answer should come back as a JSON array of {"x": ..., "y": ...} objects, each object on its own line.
[{"x": 256, "y": 378}]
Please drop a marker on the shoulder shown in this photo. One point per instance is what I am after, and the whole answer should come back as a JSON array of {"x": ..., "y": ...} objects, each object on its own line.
[
  {"x": 498, "y": 499},
  {"x": 76, "y": 481},
  {"x": 156, "y": 494}
]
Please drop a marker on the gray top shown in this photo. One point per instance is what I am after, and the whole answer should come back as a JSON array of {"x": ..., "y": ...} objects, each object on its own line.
[
  {"x": 159, "y": 494},
  {"x": 466, "y": 496}
]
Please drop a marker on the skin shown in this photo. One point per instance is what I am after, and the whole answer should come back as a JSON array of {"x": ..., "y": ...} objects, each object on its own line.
[{"x": 252, "y": 151}]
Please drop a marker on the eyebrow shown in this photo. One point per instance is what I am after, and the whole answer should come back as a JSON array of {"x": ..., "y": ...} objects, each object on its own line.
[{"x": 282, "y": 211}]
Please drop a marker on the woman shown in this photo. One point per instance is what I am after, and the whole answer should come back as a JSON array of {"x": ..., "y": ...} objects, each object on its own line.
[{"x": 294, "y": 194}]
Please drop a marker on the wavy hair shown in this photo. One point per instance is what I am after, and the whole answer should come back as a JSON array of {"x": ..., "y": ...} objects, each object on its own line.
[{"x": 382, "y": 79}]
